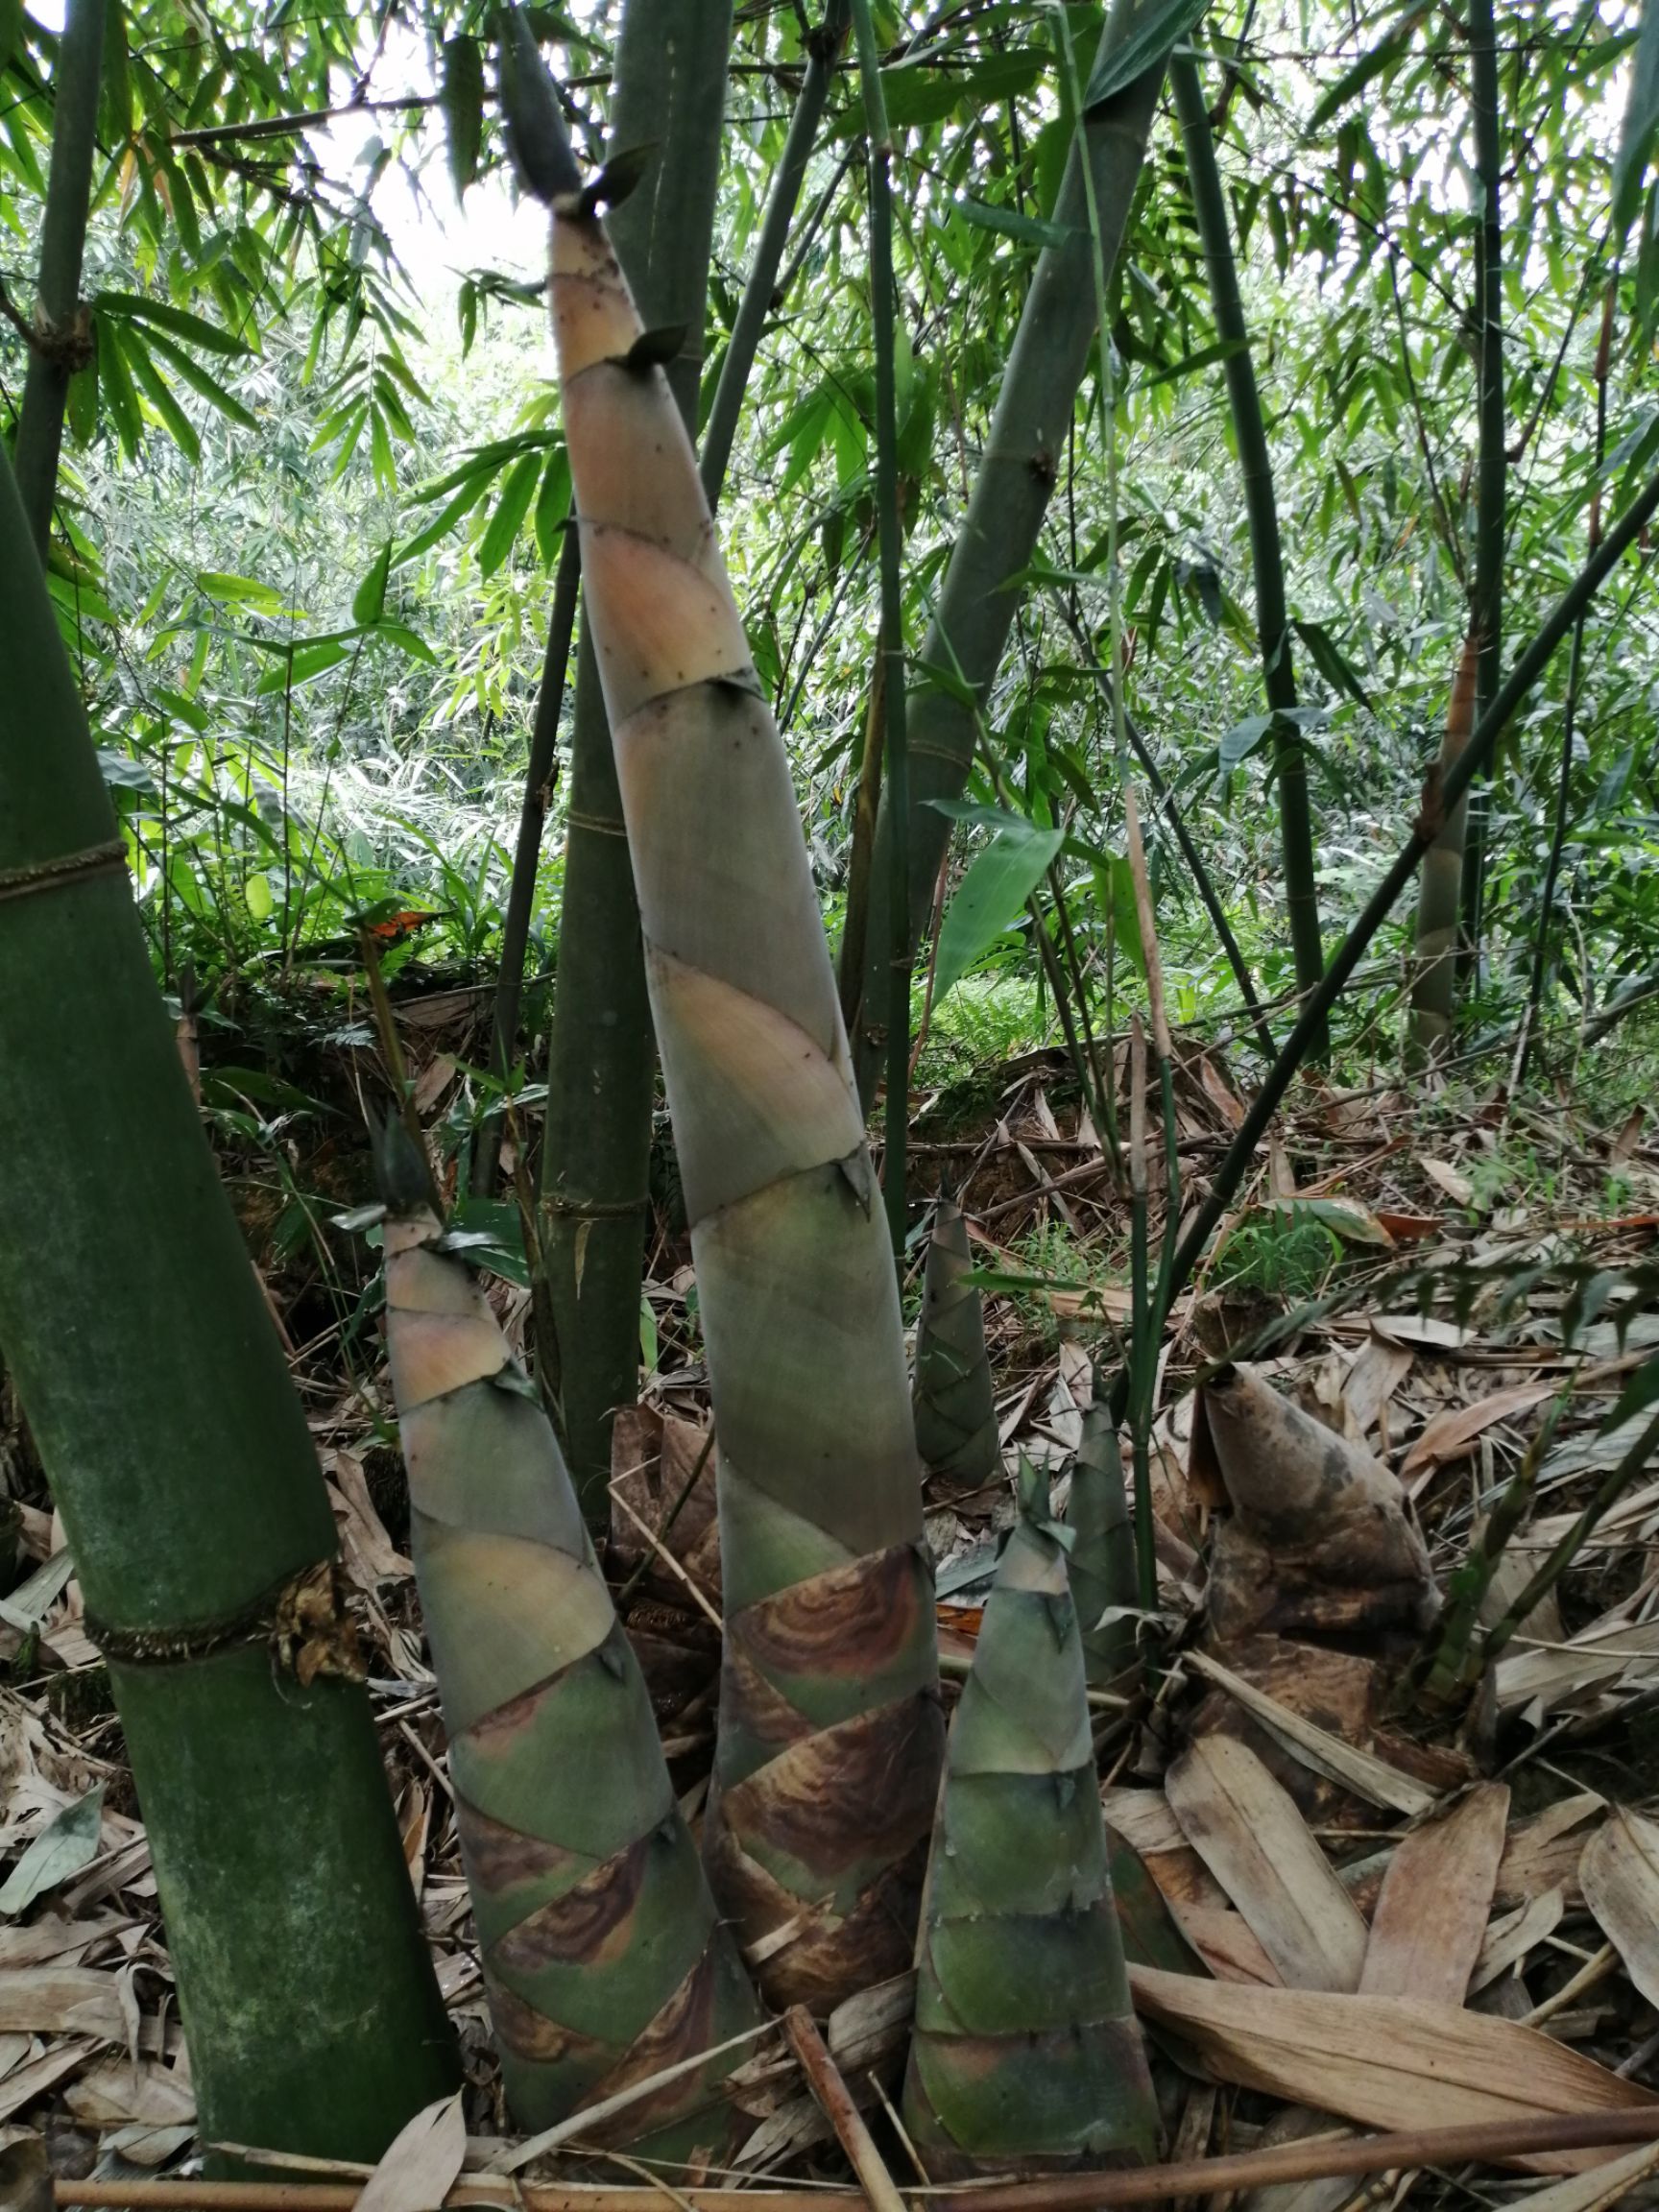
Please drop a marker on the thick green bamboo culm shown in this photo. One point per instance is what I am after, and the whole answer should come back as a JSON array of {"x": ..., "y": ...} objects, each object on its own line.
[
  {"x": 158, "y": 1397},
  {"x": 1017, "y": 471},
  {"x": 725, "y": 409},
  {"x": 61, "y": 338},
  {"x": 829, "y": 1729},
  {"x": 1267, "y": 552},
  {"x": 1102, "y": 1562},
  {"x": 954, "y": 1404},
  {"x": 604, "y": 1961},
  {"x": 670, "y": 94},
  {"x": 1026, "y": 2057}
]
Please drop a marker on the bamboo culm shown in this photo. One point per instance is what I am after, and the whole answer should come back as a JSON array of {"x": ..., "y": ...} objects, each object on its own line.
[
  {"x": 158, "y": 1396},
  {"x": 760, "y": 291},
  {"x": 999, "y": 531},
  {"x": 828, "y": 1701},
  {"x": 1267, "y": 553},
  {"x": 601, "y": 1073},
  {"x": 61, "y": 337}
]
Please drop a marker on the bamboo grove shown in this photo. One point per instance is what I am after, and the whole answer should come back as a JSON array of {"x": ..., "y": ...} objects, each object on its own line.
[{"x": 849, "y": 1835}]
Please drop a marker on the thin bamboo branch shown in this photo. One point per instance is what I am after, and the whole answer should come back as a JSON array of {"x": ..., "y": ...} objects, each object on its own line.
[
  {"x": 1521, "y": 677},
  {"x": 57, "y": 335},
  {"x": 539, "y": 777},
  {"x": 1267, "y": 552},
  {"x": 1569, "y": 721},
  {"x": 762, "y": 291},
  {"x": 1488, "y": 2142}
]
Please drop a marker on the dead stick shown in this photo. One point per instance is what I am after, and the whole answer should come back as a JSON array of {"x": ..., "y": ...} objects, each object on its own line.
[
  {"x": 836, "y": 2102},
  {"x": 1489, "y": 2142}
]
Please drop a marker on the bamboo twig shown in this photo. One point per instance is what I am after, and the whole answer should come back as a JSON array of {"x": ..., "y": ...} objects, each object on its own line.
[
  {"x": 835, "y": 2101},
  {"x": 1488, "y": 2142}
]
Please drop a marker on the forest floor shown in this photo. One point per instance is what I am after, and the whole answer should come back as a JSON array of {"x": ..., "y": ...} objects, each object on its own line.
[{"x": 1427, "y": 1277}]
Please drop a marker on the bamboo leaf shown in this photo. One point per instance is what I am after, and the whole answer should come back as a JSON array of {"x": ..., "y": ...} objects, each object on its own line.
[
  {"x": 461, "y": 96},
  {"x": 419, "y": 2170},
  {"x": 369, "y": 602},
  {"x": 1353, "y": 82},
  {"x": 68, "y": 1843},
  {"x": 135, "y": 307},
  {"x": 1641, "y": 122},
  {"x": 1008, "y": 223},
  {"x": 990, "y": 897},
  {"x": 1147, "y": 46},
  {"x": 510, "y": 511}
]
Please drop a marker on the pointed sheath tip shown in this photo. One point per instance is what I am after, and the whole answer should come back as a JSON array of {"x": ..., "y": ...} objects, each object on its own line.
[
  {"x": 536, "y": 132},
  {"x": 402, "y": 1172}
]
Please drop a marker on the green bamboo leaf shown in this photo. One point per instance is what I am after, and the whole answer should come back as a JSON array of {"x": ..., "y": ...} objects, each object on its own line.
[
  {"x": 1009, "y": 223},
  {"x": 510, "y": 511},
  {"x": 199, "y": 379},
  {"x": 369, "y": 602},
  {"x": 1147, "y": 47},
  {"x": 178, "y": 322},
  {"x": 240, "y": 591},
  {"x": 1641, "y": 122},
  {"x": 989, "y": 898},
  {"x": 150, "y": 380},
  {"x": 918, "y": 93},
  {"x": 553, "y": 504},
  {"x": 1369, "y": 66},
  {"x": 475, "y": 488},
  {"x": 67, "y": 1843},
  {"x": 115, "y": 95},
  {"x": 461, "y": 96},
  {"x": 1332, "y": 662},
  {"x": 115, "y": 383},
  {"x": 256, "y": 891}
]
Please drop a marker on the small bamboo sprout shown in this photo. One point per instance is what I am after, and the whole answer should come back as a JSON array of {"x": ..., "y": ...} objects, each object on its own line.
[
  {"x": 829, "y": 1735},
  {"x": 1101, "y": 1561},
  {"x": 604, "y": 1961},
  {"x": 1026, "y": 2057},
  {"x": 955, "y": 1416}
]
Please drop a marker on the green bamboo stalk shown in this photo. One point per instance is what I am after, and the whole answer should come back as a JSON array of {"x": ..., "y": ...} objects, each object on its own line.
[
  {"x": 760, "y": 292},
  {"x": 829, "y": 1737},
  {"x": 1143, "y": 1326},
  {"x": 890, "y": 530},
  {"x": 1529, "y": 1018},
  {"x": 60, "y": 337},
  {"x": 1025, "y": 2057},
  {"x": 1102, "y": 1560},
  {"x": 999, "y": 531},
  {"x": 1434, "y": 964},
  {"x": 145, "y": 1358},
  {"x": 953, "y": 1403},
  {"x": 1492, "y": 462},
  {"x": 539, "y": 776},
  {"x": 1267, "y": 553},
  {"x": 604, "y": 1959},
  {"x": 671, "y": 59},
  {"x": 1529, "y": 666}
]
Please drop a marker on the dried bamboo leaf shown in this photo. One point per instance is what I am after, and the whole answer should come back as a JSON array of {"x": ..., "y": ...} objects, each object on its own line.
[
  {"x": 1249, "y": 1834},
  {"x": 1620, "y": 1873},
  {"x": 1430, "y": 1923},
  {"x": 1385, "y": 2061}
]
